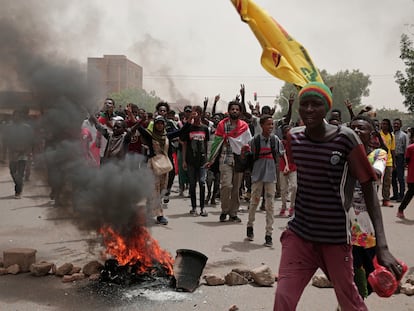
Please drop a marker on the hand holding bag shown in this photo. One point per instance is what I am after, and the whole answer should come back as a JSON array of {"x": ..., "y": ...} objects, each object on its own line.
[{"x": 160, "y": 164}]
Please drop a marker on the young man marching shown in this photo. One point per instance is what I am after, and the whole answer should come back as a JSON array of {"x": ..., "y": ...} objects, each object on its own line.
[
  {"x": 265, "y": 148},
  {"x": 328, "y": 159}
]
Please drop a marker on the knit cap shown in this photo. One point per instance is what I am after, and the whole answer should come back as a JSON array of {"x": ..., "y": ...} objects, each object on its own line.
[{"x": 319, "y": 90}]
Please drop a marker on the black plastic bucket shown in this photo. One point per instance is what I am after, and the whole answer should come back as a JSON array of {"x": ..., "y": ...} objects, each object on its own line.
[{"x": 188, "y": 267}]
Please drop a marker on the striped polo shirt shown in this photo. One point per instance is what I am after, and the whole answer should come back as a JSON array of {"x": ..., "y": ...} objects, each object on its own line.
[{"x": 326, "y": 175}]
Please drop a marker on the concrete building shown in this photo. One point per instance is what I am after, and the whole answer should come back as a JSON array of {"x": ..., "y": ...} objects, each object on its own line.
[{"x": 113, "y": 73}]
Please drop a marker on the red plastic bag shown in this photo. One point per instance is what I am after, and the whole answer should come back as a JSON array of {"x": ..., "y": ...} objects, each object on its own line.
[{"x": 382, "y": 281}]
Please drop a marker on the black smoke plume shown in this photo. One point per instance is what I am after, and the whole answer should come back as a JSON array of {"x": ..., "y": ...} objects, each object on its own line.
[{"x": 58, "y": 88}]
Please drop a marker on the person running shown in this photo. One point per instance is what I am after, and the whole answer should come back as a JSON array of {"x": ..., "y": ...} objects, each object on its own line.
[{"x": 328, "y": 159}]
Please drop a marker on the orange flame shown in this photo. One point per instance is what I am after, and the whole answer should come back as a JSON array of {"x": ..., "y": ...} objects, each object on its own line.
[{"x": 139, "y": 247}]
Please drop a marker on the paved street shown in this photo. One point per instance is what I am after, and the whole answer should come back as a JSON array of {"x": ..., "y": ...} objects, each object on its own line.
[{"x": 33, "y": 222}]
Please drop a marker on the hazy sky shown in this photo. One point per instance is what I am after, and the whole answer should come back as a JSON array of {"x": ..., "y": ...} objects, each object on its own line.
[{"x": 192, "y": 49}]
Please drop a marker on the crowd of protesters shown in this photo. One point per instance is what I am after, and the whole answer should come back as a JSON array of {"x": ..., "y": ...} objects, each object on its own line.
[
  {"x": 239, "y": 155},
  {"x": 205, "y": 153}
]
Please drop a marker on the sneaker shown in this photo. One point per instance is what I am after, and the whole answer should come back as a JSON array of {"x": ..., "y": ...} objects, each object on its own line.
[
  {"x": 393, "y": 198},
  {"x": 162, "y": 220},
  {"x": 400, "y": 215},
  {"x": 17, "y": 195},
  {"x": 250, "y": 234},
  {"x": 268, "y": 241},
  {"x": 223, "y": 217},
  {"x": 213, "y": 202},
  {"x": 203, "y": 213},
  {"x": 282, "y": 212},
  {"x": 387, "y": 203},
  {"x": 399, "y": 200},
  {"x": 291, "y": 211},
  {"x": 235, "y": 219},
  {"x": 193, "y": 212},
  {"x": 166, "y": 199}
]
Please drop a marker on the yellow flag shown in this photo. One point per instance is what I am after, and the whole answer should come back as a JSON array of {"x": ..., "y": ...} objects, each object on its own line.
[{"x": 282, "y": 56}]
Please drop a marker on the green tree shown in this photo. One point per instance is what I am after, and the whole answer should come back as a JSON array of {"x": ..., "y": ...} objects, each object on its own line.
[
  {"x": 406, "y": 82},
  {"x": 352, "y": 85},
  {"x": 140, "y": 97}
]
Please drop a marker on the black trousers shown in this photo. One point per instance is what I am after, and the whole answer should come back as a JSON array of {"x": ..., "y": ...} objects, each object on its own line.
[{"x": 17, "y": 169}]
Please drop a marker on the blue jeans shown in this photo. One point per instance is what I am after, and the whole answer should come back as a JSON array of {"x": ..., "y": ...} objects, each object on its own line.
[{"x": 196, "y": 174}]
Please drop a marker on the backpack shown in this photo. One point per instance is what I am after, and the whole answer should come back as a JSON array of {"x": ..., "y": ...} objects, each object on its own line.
[{"x": 255, "y": 153}]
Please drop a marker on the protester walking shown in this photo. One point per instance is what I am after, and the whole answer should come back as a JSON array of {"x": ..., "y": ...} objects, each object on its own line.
[
  {"x": 328, "y": 159},
  {"x": 195, "y": 157},
  {"x": 19, "y": 143},
  {"x": 231, "y": 134},
  {"x": 409, "y": 158},
  {"x": 265, "y": 148},
  {"x": 398, "y": 178}
]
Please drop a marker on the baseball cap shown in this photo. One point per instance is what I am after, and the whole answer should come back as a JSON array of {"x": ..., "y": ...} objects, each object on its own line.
[{"x": 159, "y": 119}]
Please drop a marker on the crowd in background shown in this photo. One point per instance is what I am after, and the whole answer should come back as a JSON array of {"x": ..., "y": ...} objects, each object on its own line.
[{"x": 219, "y": 156}]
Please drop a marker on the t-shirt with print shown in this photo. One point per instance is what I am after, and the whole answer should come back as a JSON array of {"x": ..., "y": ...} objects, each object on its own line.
[
  {"x": 196, "y": 139},
  {"x": 326, "y": 174}
]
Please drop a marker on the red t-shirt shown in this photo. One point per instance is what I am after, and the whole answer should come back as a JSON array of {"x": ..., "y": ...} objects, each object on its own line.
[
  {"x": 409, "y": 154},
  {"x": 282, "y": 164}
]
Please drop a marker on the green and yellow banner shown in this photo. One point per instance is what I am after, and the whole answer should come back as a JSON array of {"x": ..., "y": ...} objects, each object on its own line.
[{"x": 282, "y": 56}]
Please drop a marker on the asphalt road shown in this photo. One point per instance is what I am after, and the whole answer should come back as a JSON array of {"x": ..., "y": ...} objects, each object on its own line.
[{"x": 33, "y": 222}]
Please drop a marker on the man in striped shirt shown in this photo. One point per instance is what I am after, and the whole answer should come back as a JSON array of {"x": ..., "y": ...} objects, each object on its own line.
[{"x": 329, "y": 159}]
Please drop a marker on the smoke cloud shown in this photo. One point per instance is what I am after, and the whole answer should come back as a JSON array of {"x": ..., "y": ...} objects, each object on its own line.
[{"x": 58, "y": 88}]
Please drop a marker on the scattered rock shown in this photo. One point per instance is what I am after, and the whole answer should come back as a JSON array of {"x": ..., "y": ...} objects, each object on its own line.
[
  {"x": 23, "y": 257},
  {"x": 213, "y": 280},
  {"x": 3, "y": 271},
  {"x": 75, "y": 270},
  {"x": 94, "y": 277},
  {"x": 233, "y": 308},
  {"x": 92, "y": 267},
  {"x": 410, "y": 279},
  {"x": 13, "y": 269},
  {"x": 407, "y": 289},
  {"x": 321, "y": 281},
  {"x": 263, "y": 276},
  {"x": 233, "y": 278},
  {"x": 244, "y": 272},
  {"x": 64, "y": 269},
  {"x": 41, "y": 268},
  {"x": 73, "y": 277}
]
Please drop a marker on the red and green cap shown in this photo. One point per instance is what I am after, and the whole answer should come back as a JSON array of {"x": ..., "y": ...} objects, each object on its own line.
[{"x": 319, "y": 90}]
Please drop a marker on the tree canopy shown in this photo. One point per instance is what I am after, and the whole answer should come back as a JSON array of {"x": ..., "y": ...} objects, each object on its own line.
[
  {"x": 406, "y": 82},
  {"x": 351, "y": 85},
  {"x": 140, "y": 97}
]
